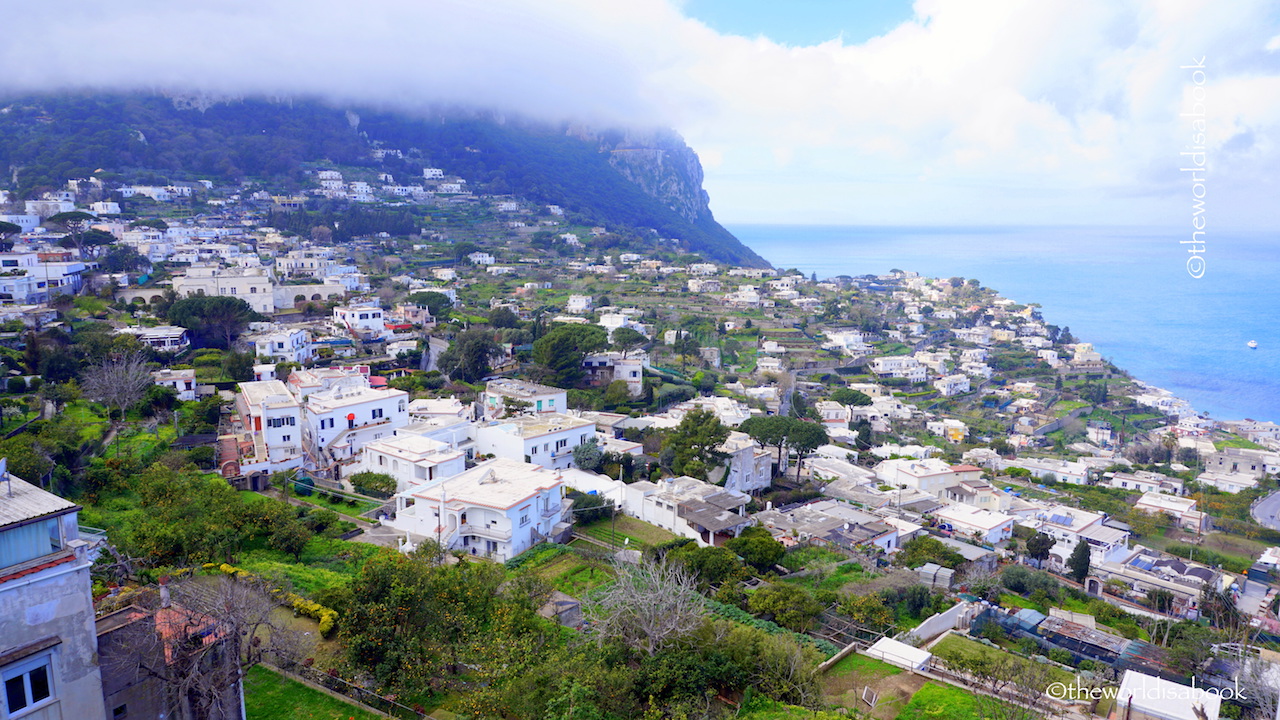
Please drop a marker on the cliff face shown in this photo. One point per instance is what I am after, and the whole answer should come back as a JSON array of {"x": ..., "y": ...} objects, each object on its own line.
[{"x": 667, "y": 170}]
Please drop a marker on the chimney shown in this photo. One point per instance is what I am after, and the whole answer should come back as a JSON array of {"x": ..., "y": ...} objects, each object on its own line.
[{"x": 164, "y": 591}]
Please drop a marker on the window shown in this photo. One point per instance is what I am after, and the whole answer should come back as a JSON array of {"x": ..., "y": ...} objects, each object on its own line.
[
  {"x": 233, "y": 291},
  {"x": 286, "y": 438},
  {"x": 524, "y": 520},
  {"x": 28, "y": 685},
  {"x": 120, "y": 713},
  {"x": 533, "y": 450},
  {"x": 377, "y": 413}
]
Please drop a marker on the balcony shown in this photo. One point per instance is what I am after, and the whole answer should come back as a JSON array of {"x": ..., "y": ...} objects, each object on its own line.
[{"x": 489, "y": 533}]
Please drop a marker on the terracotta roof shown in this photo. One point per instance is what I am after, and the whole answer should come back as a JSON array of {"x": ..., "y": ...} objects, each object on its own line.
[{"x": 69, "y": 557}]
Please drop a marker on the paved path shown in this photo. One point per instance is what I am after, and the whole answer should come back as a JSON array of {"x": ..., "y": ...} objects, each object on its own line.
[{"x": 1267, "y": 511}]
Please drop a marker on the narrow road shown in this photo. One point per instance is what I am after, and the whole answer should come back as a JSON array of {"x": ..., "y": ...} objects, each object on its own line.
[{"x": 1267, "y": 511}]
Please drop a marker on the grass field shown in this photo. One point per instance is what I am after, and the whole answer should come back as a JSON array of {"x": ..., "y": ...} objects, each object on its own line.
[
  {"x": 271, "y": 696},
  {"x": 864, "y": 667},
  {"x": 626, "y": 528},
  {"x": 939, "y": 702}
]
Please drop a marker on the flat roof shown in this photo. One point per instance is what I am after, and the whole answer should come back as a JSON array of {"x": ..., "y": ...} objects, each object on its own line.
[
  {"x": 258, "y": 392},
  {"x": 500, "y": 484},
  {"x": 519, "y": 388}
]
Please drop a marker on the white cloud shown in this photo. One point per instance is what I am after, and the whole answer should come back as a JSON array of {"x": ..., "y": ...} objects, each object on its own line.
[{"x": 996, "y": 111}]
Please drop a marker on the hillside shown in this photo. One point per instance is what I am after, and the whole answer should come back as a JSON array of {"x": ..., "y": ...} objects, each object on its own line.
[{"x": 609, "y": 178}]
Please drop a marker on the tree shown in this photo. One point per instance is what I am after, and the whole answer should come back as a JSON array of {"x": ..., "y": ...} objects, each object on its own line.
[
  {"x": 804, "y": 438},
  {"x": 214, "y": 319},
  {"x": 926, "y": 549},
  {"x": 591, "y": 508},
  {"x": 379, "y": 485},
  {"x": 695, "y": 443},
  {"x": 846, "y": 396},
  {"x": 588, "y": 455},
  {"x": 626, "y": 339},
  {"x": 1039, "y": 546},
  {"x": 650, "y": 606},
  {"x": 869, "y": 611},
  {"x": 686, "y": 346},
  {"x": 757, "y": 548},
  {"x": 1016, "y": 686},
  {"x": 468, "y": 356},
  {"x": 616, "y": 394},
  {"x": 561, "y": 351},
  {"x": 238, "y": 366},
  {"x": 75, "y": 223},
  {"x": 1079, "y": 561},
  {"x": 119, "y": 382},
  {"x": 28, "y": 458},
  {"x": 790, "y": 606},
  {"x": 503, "y": 318},
  {"x": 1161, "y": 600},
  {"x": 289, "y": 536},
  {"x": 438, "y": 304},
  {"x": 7, "y": 231}
]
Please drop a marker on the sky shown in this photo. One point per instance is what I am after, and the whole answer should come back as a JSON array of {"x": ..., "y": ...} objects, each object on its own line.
[{"x": 937, "y": 112}]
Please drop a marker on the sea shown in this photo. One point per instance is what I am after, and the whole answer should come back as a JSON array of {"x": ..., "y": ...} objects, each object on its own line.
[{"x": 1126, "y": 290}]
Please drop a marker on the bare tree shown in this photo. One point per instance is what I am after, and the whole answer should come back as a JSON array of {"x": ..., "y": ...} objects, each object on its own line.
[
  {"x": 649, "y": 606},
  {"x": 121, "y": 381},
  {"x": 195, "y": 648}
]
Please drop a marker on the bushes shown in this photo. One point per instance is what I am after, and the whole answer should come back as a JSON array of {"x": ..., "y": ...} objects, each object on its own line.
[
  {"x": 1025, "y": 581},
  {"x": 1231, "y": 563}
]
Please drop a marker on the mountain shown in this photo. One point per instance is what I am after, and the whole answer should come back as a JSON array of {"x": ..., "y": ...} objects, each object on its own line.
[{"x": 619, "y": 179}]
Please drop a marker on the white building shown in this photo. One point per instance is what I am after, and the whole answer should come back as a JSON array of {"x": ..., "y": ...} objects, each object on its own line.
[
  {"x": 163, "y": 338},
  {"x": 251, "y": 284},
  {"x": 749, "y": 468},
  {"x": 182, "y": 381},
  {"x": 952, "y": 385},
  {"x": 413, "y": 460},
  {"x": 1143, "y": 481},
  {"x": 706, "y": 513},
  {"x": 604, "y": 368},
  {"x": 1070, "y": 526},
  {"x": 364, "y": 320},
  {"x": 283, "y": 345},
  {"x": 348, "y": 415},
  {"x": 986, "y": 525},
  {"x": 578, "y": 304},
  {"x": 271, "y": 428},
  {"x": 1232, "y": 482},
  {"x": 547, "y": 439},
  {"x": 1064, "y": 471},
  {"x": 497, "y": 509},
  {"x": 1182, "y": 510},
  {"x": 538, "y": 398}
]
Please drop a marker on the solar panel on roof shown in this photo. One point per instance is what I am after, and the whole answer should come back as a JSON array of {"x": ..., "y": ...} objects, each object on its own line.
[
  {"x": 1143, "y": 564},
  {"x": 1060, "y": 519}
]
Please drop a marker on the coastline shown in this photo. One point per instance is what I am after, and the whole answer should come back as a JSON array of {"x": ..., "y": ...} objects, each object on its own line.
[{"x": 1184, "y": 336}]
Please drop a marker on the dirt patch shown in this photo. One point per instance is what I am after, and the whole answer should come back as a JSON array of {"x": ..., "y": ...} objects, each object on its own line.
[
  {"x": 894, "y": 692},
  {"x": 888, "y": 579}
]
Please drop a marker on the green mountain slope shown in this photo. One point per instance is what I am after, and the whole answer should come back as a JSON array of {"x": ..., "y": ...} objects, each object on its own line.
[{"x": 610, "y": 178}]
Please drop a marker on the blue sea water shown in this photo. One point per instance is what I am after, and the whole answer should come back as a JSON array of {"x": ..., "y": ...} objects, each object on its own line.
[{"x": 1126, "y": 290}]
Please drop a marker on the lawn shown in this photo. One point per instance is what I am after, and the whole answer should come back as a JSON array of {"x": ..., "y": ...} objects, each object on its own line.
[
  {"x": 136, "y": 441},
  {"x": 271, "y": 696},
  {"x": 1012, "y": 600},
  {"x": 866, "y": 668},
  {"x": 626, "y": 528},
  {"x": 940, "y": 702}
]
